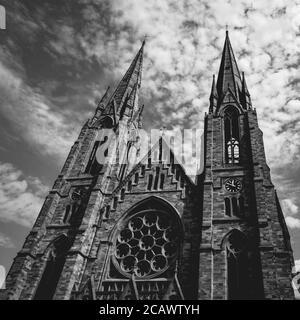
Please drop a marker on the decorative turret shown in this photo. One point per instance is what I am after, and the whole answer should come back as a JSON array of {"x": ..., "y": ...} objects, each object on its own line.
[
  {"x": 213, "y": 99},
  {"x": 246, "y": 99}
]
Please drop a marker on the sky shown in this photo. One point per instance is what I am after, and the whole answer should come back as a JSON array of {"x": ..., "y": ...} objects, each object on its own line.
[{"x": 58, "y": 57}]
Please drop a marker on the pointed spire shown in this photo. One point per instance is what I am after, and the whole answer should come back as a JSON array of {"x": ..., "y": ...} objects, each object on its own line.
[
  {"x": 126, "y": 94},
  {"x": 213, "y": 99},
  {"x": 229, "y": 75},
  {"x": 245, "y": 94},
  {"x": 132, "y": 76}
]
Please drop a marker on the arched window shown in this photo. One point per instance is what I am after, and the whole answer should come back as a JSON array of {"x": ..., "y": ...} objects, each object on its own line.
[
  {"x": 148, "y": 243},
  {"x": 53, "y": 269},
  {"x": 237, "y": 266},
  {"x": 107, "y": 123},
  {"x": 232, "y": 137},
  {"x": 234, "y": 207}
]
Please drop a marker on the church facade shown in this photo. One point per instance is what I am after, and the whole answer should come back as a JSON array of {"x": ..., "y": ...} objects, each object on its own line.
[{"x": 114, "y": 230}]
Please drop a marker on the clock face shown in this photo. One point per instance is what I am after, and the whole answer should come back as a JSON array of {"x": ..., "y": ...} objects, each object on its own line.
[{"x": 233, "y": 185}]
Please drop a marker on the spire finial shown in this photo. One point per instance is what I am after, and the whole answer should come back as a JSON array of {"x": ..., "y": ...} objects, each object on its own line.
[{"x": 146, "y": 36}]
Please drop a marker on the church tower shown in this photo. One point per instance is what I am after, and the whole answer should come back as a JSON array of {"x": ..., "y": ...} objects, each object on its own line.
[
  {"x": 120, "y": 224},
  {"x": 245, "y": 250}
]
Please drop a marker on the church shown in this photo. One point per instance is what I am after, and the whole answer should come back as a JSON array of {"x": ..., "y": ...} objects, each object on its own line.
[{"x": 118, "y": 231}]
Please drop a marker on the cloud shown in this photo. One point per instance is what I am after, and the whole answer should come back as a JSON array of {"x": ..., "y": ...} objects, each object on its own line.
[
  {"x": 6, "y": 242},
  {"x": 31, "y": 115},
  {"x": 292, "y": 222},
  {"x": 289, "y": 207},
  {"x": 20, "y": 198}
]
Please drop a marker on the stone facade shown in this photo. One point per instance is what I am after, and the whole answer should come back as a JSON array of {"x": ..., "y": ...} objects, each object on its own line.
[{"x": 148, "y": 232}]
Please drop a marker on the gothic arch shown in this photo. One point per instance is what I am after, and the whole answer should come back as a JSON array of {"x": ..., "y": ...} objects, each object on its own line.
[
  {"x": 55, "y": 258},
  {"x": 232, "y": 134},
  {"x": 152, "y": 199},
  {"x": 233, "y": 232},
  {"x": 59, "y": 240},
  {"x": 235, "y": 244},
  {"x": 230, "y": 106},
  {"x": 107, "y": 122}
]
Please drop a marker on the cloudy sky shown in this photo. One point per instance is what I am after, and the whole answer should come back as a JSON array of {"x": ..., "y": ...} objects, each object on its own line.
[{"x": 57, "y": 58}]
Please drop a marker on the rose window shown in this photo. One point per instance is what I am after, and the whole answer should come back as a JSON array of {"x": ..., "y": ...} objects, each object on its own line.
[{"x": 147, "y": 244}]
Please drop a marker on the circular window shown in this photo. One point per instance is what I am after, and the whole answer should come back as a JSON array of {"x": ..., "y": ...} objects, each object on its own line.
[{"x": 147, "y": 244}]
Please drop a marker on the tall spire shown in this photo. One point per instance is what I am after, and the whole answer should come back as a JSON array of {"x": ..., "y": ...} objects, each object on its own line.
[
  {"x": 229, "y": 75},
  {"x": 127, "y": 87},
  {"x": 132, "y": 77}
]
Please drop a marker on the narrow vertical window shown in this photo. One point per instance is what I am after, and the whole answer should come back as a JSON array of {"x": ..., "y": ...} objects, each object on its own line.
[
  {"x": 156, "y": 178},
  {"x": 160, "y": 155},
  {"x": 107, "y": 212},
  {"x": 129, "y": 186},
  {"x": 235, "y": 209},
  {"x": 115, "y": 203},
  {"x": 67, "y": 214},
  {"x": 143, "y": 170},
  {"x": 136, "y": 178},
  {"x": 171, "y": 152},
  {"x": 227, "y": 207},
  {"x": 162, "y": 180},
  {"x": 92, "y": 161},
  {"x": 181, "y": 182},
  {"x": 150, "y": 179},
  {"x": 241, "y": 206},
  {"x": 177, "y": 175},
  {"x": 122, "y": 194},
  {"x": 173, "y": 167},
  {"x": 149, "y": 162},
  {"x": 171, "y": 158}
]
